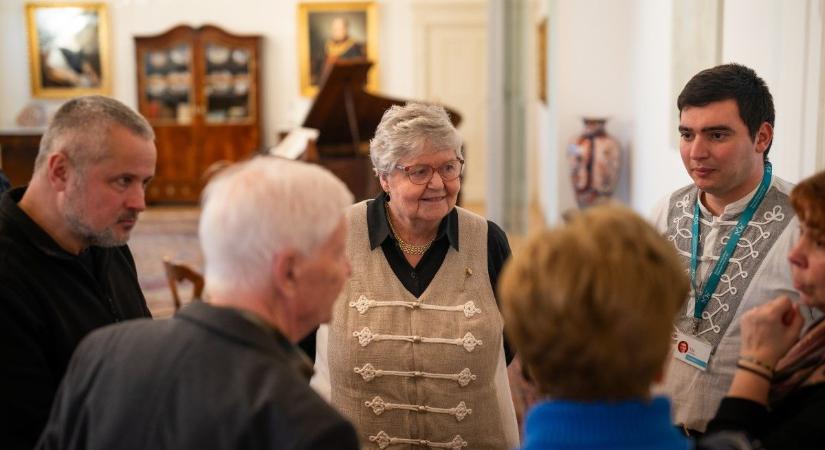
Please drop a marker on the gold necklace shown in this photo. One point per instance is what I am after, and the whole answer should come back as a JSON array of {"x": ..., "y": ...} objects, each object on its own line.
[{"x": 409, "y": 249}]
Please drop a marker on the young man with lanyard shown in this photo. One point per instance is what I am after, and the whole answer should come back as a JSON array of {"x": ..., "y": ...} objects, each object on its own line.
[{"x": 733, "y": 227}]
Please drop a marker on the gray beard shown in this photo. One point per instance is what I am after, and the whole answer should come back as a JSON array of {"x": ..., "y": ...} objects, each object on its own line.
[{"x": 105, "y": 238}]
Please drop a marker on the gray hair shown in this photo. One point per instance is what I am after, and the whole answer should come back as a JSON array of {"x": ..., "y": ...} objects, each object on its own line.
[
  {"x": 81, "y": 126},
  {"x": 257, "y": 208},
  {"x": 408, "y": 131}
]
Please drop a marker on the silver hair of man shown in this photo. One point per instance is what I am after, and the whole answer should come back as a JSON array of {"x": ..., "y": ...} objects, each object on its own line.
[
  {"x": 81, "y": 126},
  {"x": 410, "y": 130},
  {"x": 254, "y": 209}
]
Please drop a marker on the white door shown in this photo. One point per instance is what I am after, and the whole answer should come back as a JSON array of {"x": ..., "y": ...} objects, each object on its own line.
[{"x": 450, "y": 40}]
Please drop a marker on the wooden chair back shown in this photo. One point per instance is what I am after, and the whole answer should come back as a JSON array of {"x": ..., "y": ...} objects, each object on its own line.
[{"x": 178, "y": 272}]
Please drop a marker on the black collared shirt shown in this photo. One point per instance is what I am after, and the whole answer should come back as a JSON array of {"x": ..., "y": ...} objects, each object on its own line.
[{"x": 416, "y": 279}]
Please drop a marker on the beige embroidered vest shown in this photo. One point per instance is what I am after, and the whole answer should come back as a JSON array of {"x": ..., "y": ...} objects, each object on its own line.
[{"x": 421, "y": 372}]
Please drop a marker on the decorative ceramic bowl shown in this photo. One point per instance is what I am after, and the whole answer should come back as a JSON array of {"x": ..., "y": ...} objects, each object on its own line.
[{"x": 217, "y": 54}]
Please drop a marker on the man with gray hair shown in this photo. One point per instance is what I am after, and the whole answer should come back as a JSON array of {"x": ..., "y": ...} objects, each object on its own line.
[
  {"x": 65, "y": 269},
  {"x": 225, "y": 374}
]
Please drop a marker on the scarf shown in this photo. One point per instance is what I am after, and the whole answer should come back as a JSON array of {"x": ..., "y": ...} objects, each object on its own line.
[{"x": 801, "y": 361}]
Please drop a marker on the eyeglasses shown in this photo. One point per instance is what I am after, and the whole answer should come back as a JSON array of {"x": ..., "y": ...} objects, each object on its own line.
[{"x": 423, "y": 173}]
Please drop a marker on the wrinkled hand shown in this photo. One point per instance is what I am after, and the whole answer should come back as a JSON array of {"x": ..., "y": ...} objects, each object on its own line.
[{"x": 769, "y": 331}]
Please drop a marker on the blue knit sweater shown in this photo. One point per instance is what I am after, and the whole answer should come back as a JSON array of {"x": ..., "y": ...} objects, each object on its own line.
[{"x": 635, "y": 424}]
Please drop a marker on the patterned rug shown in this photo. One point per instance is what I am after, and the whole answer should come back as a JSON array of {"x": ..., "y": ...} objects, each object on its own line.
[{"x": 165, "y": 232}]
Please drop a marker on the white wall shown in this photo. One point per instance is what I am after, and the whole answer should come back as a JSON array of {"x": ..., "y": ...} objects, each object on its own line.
[
  {"x": 283, "y": 107},
  {"x": 656, "y": 164},
  {"x": 591, "y": 52},
  {"x": 537, "y": 116},
  {"x": 542, "y": 164},
  {"x": 781, "y": 42},
  {"x": 14, "y": 80}
]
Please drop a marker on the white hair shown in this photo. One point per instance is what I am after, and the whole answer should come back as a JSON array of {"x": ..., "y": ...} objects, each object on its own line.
[
  {"x": 255, "y": 209},
  {"x": 405, "y": 131}
]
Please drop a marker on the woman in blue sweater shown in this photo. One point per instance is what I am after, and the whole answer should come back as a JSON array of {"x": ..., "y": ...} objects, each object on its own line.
[{"x": 589, "y": 307}]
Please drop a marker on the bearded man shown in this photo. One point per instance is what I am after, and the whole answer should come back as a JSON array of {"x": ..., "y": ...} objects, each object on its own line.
[{"x": 65, "y": 269}]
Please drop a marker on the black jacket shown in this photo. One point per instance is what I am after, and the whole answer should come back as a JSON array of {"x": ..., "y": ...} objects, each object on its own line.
[
  {"x": 50, "y": 300},
  {"x": 795, "y": 422},
  {"x": 207, "y": 378},
  {"x": 5, "y": 184}
]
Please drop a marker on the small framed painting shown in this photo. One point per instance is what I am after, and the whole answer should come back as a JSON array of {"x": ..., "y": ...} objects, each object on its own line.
[
  {"x": 329, "y": 32},
  {"x": 68, "y": 49}
]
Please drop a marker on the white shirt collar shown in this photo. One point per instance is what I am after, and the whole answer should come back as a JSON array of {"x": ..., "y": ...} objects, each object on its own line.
[{"x": 731, "y": 209}]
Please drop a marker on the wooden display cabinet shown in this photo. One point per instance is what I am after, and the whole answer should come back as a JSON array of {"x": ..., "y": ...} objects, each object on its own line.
[
  {"x": 18, "y": 150},
  {"x": 200, "y": 90}
]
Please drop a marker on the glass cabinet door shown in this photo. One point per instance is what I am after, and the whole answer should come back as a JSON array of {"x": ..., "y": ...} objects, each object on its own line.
[
  {"x": 227, "y": 83},
  {"x": 168, "y": 86}
]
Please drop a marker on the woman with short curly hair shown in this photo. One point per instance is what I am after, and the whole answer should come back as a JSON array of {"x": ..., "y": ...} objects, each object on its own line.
[{"x": 589, "y": 307}]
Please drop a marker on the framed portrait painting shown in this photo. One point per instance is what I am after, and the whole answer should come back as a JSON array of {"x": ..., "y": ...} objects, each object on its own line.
[
  {"x": 329, "y": 32},
  {"x": 68, "y": 49}
]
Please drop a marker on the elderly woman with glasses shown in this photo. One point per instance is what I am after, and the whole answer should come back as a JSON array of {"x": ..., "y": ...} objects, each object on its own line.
[{"x": 414, "y": 354}]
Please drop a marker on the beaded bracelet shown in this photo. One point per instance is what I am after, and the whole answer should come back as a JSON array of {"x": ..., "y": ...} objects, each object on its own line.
[
  {"x": 759, "y": 363},
  {"x": 754, "y": 371}
]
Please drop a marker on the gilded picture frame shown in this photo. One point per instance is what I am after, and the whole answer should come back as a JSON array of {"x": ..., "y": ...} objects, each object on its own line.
[
  {"x": 68, "y": 49},
  {"x": 335, "y": 31},
  {"x": 541, "y": 61}
]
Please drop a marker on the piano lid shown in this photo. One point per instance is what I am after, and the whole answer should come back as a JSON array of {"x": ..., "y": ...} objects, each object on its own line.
[{"x": 344, "y": 113}]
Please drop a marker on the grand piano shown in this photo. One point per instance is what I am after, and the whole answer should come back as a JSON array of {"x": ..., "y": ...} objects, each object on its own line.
[{"x": 346, "y": 117}]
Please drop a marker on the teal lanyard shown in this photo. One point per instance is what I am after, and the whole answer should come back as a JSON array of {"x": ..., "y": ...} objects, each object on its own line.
[{"x": 713, "y": 280}]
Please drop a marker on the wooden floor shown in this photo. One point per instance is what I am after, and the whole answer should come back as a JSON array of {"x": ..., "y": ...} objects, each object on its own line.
[{"x": 164, "y": 232}]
